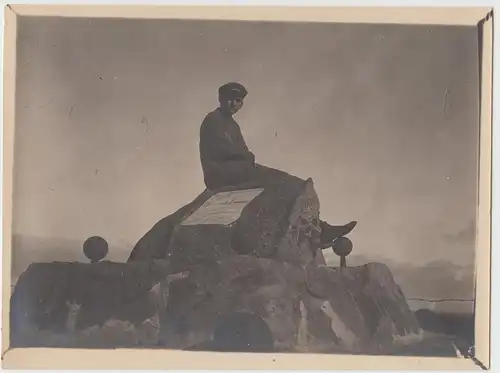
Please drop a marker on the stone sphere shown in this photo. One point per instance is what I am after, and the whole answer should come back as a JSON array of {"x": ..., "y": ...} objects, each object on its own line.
[
  {"x": 95, "y": 248},
  {"x": 342, "y": 246},
  {"x": 242, "y": 332}
]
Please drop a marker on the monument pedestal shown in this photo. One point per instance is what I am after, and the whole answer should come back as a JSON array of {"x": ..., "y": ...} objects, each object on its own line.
[
  {"x": 242, "y": 260},
  {"x": 303, "y": 309}
]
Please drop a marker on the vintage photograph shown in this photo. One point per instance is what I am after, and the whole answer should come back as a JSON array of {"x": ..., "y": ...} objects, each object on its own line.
[{"x": 245, "y": 186}]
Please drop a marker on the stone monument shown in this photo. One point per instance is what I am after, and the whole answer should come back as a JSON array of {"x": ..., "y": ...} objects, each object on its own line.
[{"x": 244, "y": 259}]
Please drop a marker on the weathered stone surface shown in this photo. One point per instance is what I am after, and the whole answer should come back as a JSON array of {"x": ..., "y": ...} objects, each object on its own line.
[
  {"x": 262, "y": 287},
  {"x": 60, "y": 299},
  {"x": 311, "y": 308},
  {"x": 277, "y": 221},
  {"x": 368, "y": 306}
]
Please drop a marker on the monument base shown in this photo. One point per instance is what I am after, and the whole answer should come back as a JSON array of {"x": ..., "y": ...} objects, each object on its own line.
[{"x": 299, "y": 309}]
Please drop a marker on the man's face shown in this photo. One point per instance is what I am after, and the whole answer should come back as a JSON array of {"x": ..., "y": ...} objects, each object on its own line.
[{"x": 232, "y": 105}]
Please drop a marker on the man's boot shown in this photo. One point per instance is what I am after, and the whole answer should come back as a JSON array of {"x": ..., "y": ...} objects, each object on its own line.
[{"x": 331, "y": 232}]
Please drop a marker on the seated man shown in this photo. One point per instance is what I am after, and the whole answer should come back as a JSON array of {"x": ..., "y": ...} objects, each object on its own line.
[{"x": 226, "y": 159}]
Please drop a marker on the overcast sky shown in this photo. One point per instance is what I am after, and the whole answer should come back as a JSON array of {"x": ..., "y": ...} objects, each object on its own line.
[{"x": 383, "y": 118}]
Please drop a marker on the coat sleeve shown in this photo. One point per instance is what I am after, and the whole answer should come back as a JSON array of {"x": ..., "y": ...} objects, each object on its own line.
[{"x": 218, "y": 147}]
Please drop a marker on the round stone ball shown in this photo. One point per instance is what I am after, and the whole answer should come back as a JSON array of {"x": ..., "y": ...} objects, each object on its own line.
[
  {"x": 95, "y": 248},
  {"x": 342, "y": 246}
]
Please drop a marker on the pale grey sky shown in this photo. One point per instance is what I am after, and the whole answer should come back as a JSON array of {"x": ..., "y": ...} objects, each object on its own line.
[{"x": 383, "y": 118}]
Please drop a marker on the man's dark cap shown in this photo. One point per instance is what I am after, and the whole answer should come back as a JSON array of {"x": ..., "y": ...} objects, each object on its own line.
[{"x": 233, "y": 90}]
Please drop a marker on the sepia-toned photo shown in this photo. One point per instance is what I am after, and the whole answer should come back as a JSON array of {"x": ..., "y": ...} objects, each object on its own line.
[{"x": 246, "y": 186}]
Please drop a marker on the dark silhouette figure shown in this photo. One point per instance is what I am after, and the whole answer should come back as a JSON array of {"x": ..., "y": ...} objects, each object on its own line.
[{"x": 226, "y": 159}]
